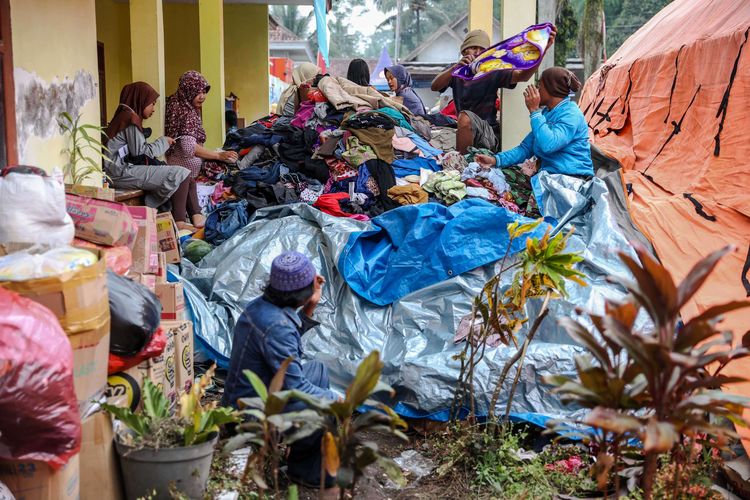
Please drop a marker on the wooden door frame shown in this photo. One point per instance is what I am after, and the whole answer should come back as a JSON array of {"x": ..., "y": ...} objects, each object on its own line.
[{"x": 9, "y": 90}]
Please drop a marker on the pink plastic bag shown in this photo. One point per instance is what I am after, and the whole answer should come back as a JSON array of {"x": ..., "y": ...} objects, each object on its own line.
[{"x": 39, "y": 417}]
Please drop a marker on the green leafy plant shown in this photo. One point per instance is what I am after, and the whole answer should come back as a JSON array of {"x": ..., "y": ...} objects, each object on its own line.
[
  {"x": 345, "y": 448},
  {"x": 266, "y": 426},
  {"x": 661, "y": 386},
  {"x": 541, "y": 270},
  {"x": 498, "y": 466},
  {"x": 85, "y": 150},
  {"x": 154, "y": 426}
]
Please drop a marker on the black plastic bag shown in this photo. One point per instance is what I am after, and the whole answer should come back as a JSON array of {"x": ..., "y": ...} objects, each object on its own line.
[{"x": 135, "y": 313}]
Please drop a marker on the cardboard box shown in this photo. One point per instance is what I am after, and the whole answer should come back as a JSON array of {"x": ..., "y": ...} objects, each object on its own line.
[
  {"x": 90, "y": 361},
  {"x": 145, "y": 248},
  {"x": 167, "y": 235},
  {"x": 100, "y": 471},
  {"x": 182, "y": 332},
  {"x": 172, "y": 301},
  {"x": 169, "y": 369},
  {"x": 100, "y": 193},
  {"x": 124, "y": 388},
  {"x": 147, "y": 280},
  {"x": 31, "y": 480},
  {"x": 161, "y": 274},
  {"x": 79, "y": 299},
  {"x": 102, "y": 222}
]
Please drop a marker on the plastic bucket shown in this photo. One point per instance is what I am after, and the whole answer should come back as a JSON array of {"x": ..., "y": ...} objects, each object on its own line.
[{"x": 147, "y": 470}]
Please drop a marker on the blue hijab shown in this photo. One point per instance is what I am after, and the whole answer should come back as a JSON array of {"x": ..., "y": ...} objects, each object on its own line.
[{"x": 411, "y": 100}]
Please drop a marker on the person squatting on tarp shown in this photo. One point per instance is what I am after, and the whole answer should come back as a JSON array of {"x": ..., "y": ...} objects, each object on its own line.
[
  {"x": 476, "y": 100},
  {"x": 183, "y": 123},
  {"x": 132, "y": 162},
  {"x": 559, "y": 134},
  {"x": 268, "y": 332},
  {"x": 400, "y": 82}
]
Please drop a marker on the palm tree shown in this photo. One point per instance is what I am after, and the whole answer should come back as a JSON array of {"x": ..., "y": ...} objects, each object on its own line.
[
  {"x": 418, "y": 17},
  {"x": 291, "y": 17}
]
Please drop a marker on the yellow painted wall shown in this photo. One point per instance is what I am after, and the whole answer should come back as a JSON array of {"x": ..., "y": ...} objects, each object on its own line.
[
  {"x": 246, "y": 57},
  {"x": 181, "y": 42},
  {"x": 55, "y": 67},
  {"x": 480, "y": 15},
  {"x": 211, "y": 22},
  {"x": 113, "y": 30},
  {"x": 515, "y": 116}
]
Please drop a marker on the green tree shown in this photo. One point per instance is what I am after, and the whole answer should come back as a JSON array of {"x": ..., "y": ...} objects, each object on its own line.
[
  {"x": 292, "y": 18},
  {"x": 592, "y": 36},
  {"x": 567, "y": 32},
  {"x": 631, "y": 15}
]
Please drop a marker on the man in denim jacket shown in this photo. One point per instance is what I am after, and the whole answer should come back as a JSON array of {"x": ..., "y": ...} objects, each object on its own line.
[{"x": 270, "y": 330}]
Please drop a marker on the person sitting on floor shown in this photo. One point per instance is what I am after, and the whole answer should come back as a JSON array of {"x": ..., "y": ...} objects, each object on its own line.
[
  {"x": 559, "y": 135},
  {"x": 399, "y": 81},
  {"x": 268, "y": 332},
  {"x": 359, "y": 72},
  {"x": 133, "y": 162},
  {"x": 476, "y": 99}
]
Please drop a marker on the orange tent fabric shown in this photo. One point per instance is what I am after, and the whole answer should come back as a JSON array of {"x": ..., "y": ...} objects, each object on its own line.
[{"x": 672, "y": 106}]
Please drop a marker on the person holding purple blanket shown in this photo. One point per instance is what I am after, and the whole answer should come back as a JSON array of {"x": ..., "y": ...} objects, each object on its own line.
[{"x": 475, "y": 99}]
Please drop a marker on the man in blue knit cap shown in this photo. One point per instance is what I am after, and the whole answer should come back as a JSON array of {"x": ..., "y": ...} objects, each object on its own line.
[{"x": 268, "y": 332}]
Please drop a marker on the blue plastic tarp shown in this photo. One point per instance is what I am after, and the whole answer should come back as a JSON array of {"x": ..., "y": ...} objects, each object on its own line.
[{"x": 419, "y": 245}]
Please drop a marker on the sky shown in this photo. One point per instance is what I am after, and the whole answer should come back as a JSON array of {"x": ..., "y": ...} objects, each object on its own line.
[{"x": 366, "y": 19}]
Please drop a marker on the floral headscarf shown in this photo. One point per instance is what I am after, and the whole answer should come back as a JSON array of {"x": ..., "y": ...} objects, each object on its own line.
[{"x": 181, "y": 116}]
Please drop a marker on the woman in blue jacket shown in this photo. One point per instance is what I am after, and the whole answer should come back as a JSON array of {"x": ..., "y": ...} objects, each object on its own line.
[{"x": 559, "y": 137}]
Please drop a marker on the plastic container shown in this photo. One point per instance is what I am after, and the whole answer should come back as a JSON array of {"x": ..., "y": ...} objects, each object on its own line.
[{"x": 147, "y": 470}]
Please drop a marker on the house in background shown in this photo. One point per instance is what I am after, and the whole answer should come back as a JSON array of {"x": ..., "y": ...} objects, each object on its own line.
[{"x": 284, "y": 43}]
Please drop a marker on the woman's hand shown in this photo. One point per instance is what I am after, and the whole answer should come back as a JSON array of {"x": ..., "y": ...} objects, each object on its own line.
[
  {"x": 531, "y": 96},
  {"x": 312, "y": 303},
  {"x": 485, "y": 161},
  {"x": 228, "y": 156},
  {"x": 170, "y": 141}
]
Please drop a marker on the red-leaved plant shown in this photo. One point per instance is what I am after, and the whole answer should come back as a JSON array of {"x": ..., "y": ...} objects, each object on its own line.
[{"x": 660, "y": 386}]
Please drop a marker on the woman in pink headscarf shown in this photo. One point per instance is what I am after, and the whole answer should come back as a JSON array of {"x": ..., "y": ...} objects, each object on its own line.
[{"x": 184, "y": 124}]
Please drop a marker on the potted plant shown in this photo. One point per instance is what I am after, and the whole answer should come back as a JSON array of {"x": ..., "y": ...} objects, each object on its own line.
[{"x": 163, "y": 454}]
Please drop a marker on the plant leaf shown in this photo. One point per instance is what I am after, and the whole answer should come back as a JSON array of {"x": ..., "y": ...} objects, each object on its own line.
[
  {"x": 659, "y": 437},
  {"x": 155, "y": 404},
  {"x": 366, "y": 379},
  {"x": 257, "y": 383},
  {"x": 277, "y": 382},
  {"x": 698, "y": 274},
  {"x": 330, "y": 454}
]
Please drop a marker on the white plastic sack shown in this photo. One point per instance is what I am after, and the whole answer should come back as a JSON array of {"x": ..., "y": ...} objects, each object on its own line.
[
  {"x": 32, "y": 210},
  {"x": 36, "y": 263}
]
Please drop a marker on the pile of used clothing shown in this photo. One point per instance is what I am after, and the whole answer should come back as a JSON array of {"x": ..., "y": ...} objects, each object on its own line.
[{"x": 350, "y": 152}]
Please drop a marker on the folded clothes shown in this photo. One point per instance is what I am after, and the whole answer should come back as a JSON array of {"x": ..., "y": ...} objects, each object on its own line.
[{"x": 447, "y": 186}]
